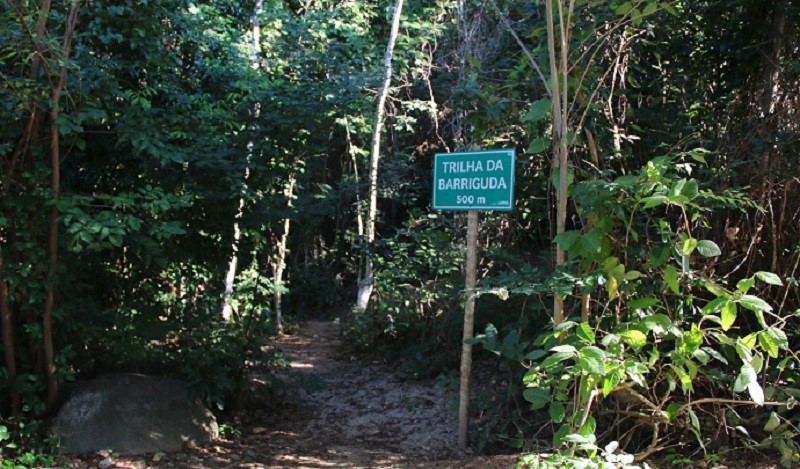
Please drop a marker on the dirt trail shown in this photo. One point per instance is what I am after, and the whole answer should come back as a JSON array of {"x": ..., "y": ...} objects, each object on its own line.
[{"x": 332, "y": 411}]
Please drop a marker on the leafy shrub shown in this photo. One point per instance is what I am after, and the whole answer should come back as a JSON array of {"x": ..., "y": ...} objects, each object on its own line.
[
  {"x": 417, "y": 286},
  {"x": 663, "y": 353}
]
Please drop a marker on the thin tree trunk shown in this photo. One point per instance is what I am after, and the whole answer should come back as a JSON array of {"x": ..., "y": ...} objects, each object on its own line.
[
  {"x": 559, "y": 140},
  {"x": 366, "y": 280},
  {"x": 8, "y": 342},
  {"x": 55, "y": 188},
  {"x": 230, "y": 276},
  {"x": 470, "y": 281},
  {"x": 280, "y": 264}
]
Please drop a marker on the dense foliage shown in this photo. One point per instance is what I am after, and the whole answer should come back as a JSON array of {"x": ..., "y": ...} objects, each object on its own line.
[{"x": 146, "y": 144}]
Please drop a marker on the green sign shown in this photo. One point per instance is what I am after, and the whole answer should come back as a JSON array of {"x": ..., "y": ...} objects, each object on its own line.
[{"x": 477, "y": 180}]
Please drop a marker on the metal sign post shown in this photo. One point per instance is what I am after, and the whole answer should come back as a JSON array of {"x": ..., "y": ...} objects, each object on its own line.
[{"x": 472, "y": 181}]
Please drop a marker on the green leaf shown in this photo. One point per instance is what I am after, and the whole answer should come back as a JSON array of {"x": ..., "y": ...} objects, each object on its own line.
[
  {"x": 715, "y": 354},
  {"x": 714, "y": 305},
  {"x": 768, "y": 343},
  {"x": 772, "y": 423},
  {"x": 689, "y": 246},
  {"x": 538, "y": 397},
  {"x": 745, "y": 284},
  {"x": 610, "y": 382},
  {"x": 585, "y": 333},
  {"x": 655, "y": 201},
  {"x": 650, "y": 9},
  {"x": 693, "y": 418},
  {"x": 727, "y": 315},
  {"x": 555, "y": 359},
  {"x": 567, "y": 239},
  {"x": 538, "y": 145},
  {"x": 754, "y": 303},
  {"x": 778, "y": 336},
  {"x": 756, "y": 392},
  {"x": 643, "y": 303},
  {"x": 746, "y": 376},
  {"x": 592, "y": 366},
  {"x": 634, "y": 338},
  {"x": 671, "y": 277},
  {"x": 708, "y": 248},
  {"x": 632, "y": 275},
  {"x": 769, "y": 277},
  {"x": 658, "y": 323},
  {"x": 557, "y": 412},
  {"x": 672, "y": 410},
  {"x": 538, "y": 110},
  {"x": 624, "y": 8},
  {"x": 534, "y": 354}
]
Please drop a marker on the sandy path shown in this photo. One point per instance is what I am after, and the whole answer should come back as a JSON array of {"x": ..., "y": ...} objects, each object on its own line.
[{"x": 331, "y": 411}]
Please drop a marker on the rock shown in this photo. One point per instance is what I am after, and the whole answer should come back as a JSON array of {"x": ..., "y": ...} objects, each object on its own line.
[
  {"x": 132, "y": 414},
  {"x": 106, "y": 463}
]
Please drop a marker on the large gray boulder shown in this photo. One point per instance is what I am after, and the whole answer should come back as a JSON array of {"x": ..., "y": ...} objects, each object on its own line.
[{"x": 132, "y": 414}]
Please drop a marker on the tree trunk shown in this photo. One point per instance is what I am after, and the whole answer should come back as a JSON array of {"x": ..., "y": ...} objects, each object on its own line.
[
  {"x": 55, "y": 189},
  {"x": 559, "y": 138},
  {"x": 470, "y": 281},
  {"x": 7, "y": 319},
  {"x": 366, "y": 279},
  {"x": 226, "y": 309},
  {"x": 280, "y": 263}
]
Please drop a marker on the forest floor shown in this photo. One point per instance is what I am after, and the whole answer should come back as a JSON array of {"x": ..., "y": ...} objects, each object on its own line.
[{"x": 330, "y": 410}]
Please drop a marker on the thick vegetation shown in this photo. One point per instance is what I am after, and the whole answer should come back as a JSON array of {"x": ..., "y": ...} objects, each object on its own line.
[{"x": 642, "y": 296}]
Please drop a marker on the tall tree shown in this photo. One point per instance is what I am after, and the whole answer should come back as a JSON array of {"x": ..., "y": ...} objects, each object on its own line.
[
  {"x": 559, "y": 93},
  {"x": 366, "y": 277},
  {"x": 230, "y": 276}
]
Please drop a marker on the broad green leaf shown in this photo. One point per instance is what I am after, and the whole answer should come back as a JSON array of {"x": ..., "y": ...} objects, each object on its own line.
[
  {"x": 650, "y": 9},
  {"x": 658, "y": 323},
  {"x": 715, "y": 289},
  {"x": 585, "y": 333},
  {"x": 672, "y": 410},
  {"x": 624, "y": 9},
  {"x": 567, "y": 239},
  {"x": 756, "y": 392},
  {"x": 555, "y": 359},
  {"x": 746, "y": 376},
  {"x": 778, "y": 336},
  {"x": 714, "y": 305},
  {"x": 708, "y": 248},
  {"x": 534, "y": 354},
  {"x": 570, "y": 349},
  {"x": 727, "y": 315},
  {"x": 772, "y": 423},
  {"x": 689, "y": 246},
  {"x": 538, "y": 397},
  {"x": 557, "y": 412},
  {"x": 715, "y": 354},
  {"x": 539, "y": 110},
  {"x": 634, "y": 338},
  {"x": 683, "y": 377},
  {"x": 538, "y": 145},
  {"x": 592, "y": 366},
  {"x": 643, "y": 303},
  {"x": 655, "y": 201},
  {"x": 769, "y": 277},
  {"x": 745, "y": 284},
  {"x": 754, "y": 303},
  {"x": 632, "y": 275},
  {"x": 671, "y": 277},
  {"x": 768, "y": 343},
  {"x": 610, "y": 382}
]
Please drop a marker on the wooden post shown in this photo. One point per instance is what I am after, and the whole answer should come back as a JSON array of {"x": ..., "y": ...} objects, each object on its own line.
[{"x": 469, "y": 326}]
